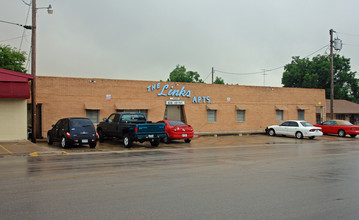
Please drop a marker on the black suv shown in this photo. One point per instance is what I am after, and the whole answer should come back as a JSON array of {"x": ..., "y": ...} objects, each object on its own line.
[{"x": 73, "y": 131}]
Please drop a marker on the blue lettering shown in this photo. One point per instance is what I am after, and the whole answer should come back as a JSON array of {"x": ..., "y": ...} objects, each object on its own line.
[
  {"x": 153, "y": 87},
  {"x": 208, "y": 100},
  {"x": 182, "y": 92},
  {"x": 188, "y": 94},
  {"x": 158, "y": 86},
  {"x": 148, "y": 88},
  {"x": 163, "y": 89},
  {"x": 199, "y": 98},
  {"x": 194, "y": 100}
]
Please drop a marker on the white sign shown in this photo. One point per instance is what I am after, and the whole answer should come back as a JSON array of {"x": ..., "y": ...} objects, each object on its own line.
[{"x": 174, "y": 102}]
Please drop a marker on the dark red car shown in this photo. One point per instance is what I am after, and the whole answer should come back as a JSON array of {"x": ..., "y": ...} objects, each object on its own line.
[
  {"x": 177, "y": 130},
  {"x": 339, "y": 127}
]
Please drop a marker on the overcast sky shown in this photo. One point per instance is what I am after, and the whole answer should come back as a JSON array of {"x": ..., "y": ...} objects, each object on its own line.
[{"x": 146, "y": 39}]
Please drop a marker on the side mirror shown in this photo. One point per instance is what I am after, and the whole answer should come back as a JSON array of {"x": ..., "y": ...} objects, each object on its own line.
[{"x": 104, "y": 119}]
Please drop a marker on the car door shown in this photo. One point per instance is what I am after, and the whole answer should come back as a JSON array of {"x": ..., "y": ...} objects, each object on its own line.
[
  {"x": 282, "y": 128},
  {"x": 58, "y": 129},
  {"x": 334, "y": 127},
  {"x": 326, "y": 127},
  {"x": 292, "y": 128},
  {"x": 63, "y": 128},
  {"x": 106, "y": 128}
]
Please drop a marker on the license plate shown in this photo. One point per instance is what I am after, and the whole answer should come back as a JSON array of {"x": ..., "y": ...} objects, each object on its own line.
[
  {"x": 184, "y": 135},
  {"x": 85, "y": 141},
  {"x": 150, "y": 136}
]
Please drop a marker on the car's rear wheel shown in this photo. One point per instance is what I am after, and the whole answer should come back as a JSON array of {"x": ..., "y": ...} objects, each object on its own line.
[
  {"x": 64, "y": 143},
  {"x": 353, "y": 135},
  {"x": 155, "y": 142},
  {"x": 299, "y": 135},
  {"x": 271, "y": 132},
  {"x": 341, "y": 133},
  {"x": 187, "y": 140},
  {"x": 166, "y": 139},
  {"x": 49, "y": 139},
  {"x": 100, "y": 136},
  {"x": 127, "y": 141}
]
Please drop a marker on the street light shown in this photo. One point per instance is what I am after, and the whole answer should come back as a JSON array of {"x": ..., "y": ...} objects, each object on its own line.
[
  {"x": 33, "y": 67},
  {"x": 33, "y": 62}
]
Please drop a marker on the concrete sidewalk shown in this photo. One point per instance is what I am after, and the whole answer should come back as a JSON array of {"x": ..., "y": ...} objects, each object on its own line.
[{"x": 24, "y": 147}]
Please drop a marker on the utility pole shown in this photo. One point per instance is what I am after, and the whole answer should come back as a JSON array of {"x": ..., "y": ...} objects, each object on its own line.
[
  {"x": 331, "y": 76},
  {"x": 212, "y": 75},
  {"x": 264, "y": 77},
  {"x": 33, "y": 72}
]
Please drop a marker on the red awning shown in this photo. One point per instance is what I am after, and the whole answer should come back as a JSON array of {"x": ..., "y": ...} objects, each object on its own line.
[
  {"x": 17, "y": 90},
  {"x": 13, "y": 76}
]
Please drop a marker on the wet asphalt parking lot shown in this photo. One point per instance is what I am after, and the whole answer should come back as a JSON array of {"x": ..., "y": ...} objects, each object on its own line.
[{"x": 226, "y": 177}]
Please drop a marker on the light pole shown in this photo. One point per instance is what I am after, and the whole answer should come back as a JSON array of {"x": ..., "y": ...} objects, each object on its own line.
[
  {"x": 331, "y": 76},
  {"x": 33, "y": 62},
  {"x": 33, "y": 67}
]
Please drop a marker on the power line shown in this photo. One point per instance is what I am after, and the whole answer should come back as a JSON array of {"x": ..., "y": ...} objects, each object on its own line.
[
  {"x": 26, "y": 3},
  {"x": 14, "y": 38},
  {"x": 23, "y": 32},
  {"x": 353, "y": 35},
  {"x": 266, "y": 70}
]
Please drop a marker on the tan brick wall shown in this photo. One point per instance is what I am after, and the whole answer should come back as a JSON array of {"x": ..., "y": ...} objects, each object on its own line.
[{"x": 64, "y": 97}]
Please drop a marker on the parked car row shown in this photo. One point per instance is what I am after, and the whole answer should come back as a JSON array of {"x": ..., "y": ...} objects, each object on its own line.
[
  {"x": 129, "y": 127},
  {"x": 301, "y": 129}
]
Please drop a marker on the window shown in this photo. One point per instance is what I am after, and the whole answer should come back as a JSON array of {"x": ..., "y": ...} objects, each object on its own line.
[
  {"x": 211, "y": 115},
  {"x": 293, "y": 124},
  {"x": 300, "y": 114},
  {"x": 279, "y": 115},
  {"x": 92, "y": 115},
  {"x": 144, "y": 111},
  {"x": 241, "y": 115}
]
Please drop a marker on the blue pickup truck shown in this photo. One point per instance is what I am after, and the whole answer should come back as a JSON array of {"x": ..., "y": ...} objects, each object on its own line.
[{"x": 131, "y": 127}]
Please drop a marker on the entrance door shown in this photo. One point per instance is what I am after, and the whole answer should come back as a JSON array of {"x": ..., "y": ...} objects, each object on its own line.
[{"x": 174, "y": 112}]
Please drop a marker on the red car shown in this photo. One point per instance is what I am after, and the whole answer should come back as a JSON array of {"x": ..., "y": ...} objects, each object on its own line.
[
  {"x": 339, "y": 127},
  {"x": 177, "y": 130}
]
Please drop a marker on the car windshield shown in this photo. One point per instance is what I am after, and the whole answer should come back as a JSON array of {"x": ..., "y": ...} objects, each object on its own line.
[
  {"x": 174, "y": 123},
  {"x": 306, "y": 124},
  {"x": 80, "y": 122},
  {"x": 347, "y": 123}
]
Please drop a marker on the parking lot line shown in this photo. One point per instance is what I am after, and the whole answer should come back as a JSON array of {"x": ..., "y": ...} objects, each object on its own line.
[{"x": 6, "y": 149}]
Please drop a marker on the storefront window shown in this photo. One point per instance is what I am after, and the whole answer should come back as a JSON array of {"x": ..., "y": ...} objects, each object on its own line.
[
  {"x": 300, "y": 114},
  {"x": 279, "y": 115},
  {"x": 241, "y": 115},
  {"x": 92, "y": 115},
  {"x": 211, "y": 115}
]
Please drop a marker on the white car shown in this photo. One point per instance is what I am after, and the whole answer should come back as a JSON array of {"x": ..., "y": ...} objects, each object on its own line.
[{"x": 299, "y": 129}]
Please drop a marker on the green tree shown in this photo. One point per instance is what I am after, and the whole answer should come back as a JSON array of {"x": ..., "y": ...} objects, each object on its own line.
[
  {"x": 180, "y": 74},
  {"x": 315, "y": 73},
  {"x": 218, "y": 80},
  {"x": 12, "y": 59}
]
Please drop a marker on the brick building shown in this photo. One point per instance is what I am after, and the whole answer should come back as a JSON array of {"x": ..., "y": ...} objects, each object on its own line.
[
  {"x": 209, "y": 108},
  {"x": 344, "y": 110}
]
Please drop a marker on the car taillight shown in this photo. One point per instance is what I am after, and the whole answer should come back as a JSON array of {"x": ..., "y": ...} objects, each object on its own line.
[
  {"x": 313, "y": 130},
  {"x": 136, "y": 129},
  {"x": 68, "y": 134}
]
